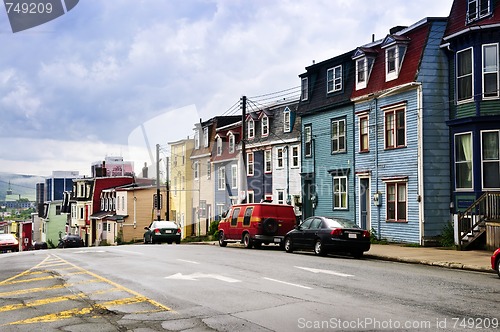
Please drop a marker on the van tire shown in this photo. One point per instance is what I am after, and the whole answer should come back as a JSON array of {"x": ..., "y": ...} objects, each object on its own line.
[
  {"x": 222, "y": 243},
  {"x": 270, "y": 226},
  {"x": 247, "y": 241}
]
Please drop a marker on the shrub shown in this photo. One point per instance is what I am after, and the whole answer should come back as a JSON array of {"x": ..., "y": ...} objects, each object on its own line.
[
  {"x": 448, "y": 235},
  {"x": 213, "y": 227}
]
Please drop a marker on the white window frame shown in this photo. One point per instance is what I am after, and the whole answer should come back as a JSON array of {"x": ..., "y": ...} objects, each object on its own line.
[
  {"x": 304, "y": 95},
  {"x": 250, "y": 196},
  {"x": 308, "y": 143},
  {"x": 196, "y": 170},
  {"x": 280, "y": 158},
  {"x": 250, "y": 129},
  {"x": 494, "y": 70},
  {"x": 221, "y": 181},
  {"x": 392, "y": 72},
  {"x": 231, "y": 142},
  {"x": 394, "y": 127},
  {"x": 361, "y": 73},
  {"x": 340, "y": 193},
  {"x": 264, "y": 126},
  {"x": 364, "y": 131},
  {"x": 209, "y": 169},
  {"x": 197, "y": 139},
  {"x": 334, "y": 79},
  {"x": 205, "y": 137},
  {"x": 396, "y": 201},
  {"x": 475, "y": 10},
  {"x": 219, "y": 145},
  {"x": 490, "y": 160},
  {"x": 268, "y": 161},
  {"x": 468, "y": 160},
  {"x": 280, "y": 196},
  {"x": 250, "y": 164},
  {"x": 286, "y": 120},
  {"x": 295, "y": 156},
  {"x": 234, "y": 176},
  {"x": 465, "y": 76},
  {"x": 338, "y": 137}
]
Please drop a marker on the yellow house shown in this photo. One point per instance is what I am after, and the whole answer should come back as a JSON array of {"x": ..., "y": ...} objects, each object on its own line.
[{"x": 181, "y": 184}]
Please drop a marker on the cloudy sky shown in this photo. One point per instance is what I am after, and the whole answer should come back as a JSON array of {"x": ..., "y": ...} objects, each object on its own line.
[{"x": 90, "y": 83}]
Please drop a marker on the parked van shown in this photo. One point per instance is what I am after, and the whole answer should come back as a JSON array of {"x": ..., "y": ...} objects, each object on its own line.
[{"x": 255, "y": 224}]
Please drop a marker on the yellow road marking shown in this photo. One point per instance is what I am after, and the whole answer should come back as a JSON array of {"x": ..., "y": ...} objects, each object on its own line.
[
  {"x": 28, "y": 280},
  {"x": 41, "y": 302},
  {"x": 41, "y": 289}
]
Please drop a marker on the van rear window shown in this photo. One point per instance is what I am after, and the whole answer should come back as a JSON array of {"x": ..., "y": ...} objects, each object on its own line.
[{"x": 248, "y": 214}]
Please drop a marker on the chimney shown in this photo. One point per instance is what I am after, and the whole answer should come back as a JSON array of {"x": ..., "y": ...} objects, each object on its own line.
[{"x": 396, "y": 29}]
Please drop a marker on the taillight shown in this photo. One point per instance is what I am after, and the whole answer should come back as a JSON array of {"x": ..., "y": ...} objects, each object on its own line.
[
  {"x": 157, "y": 231},
  {"x": 178, "y": 231},
  {"x": 336, "y": 232},
  {"x": 366, "y": 234}
]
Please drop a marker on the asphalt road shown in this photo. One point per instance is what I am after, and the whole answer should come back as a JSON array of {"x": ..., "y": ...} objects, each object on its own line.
[{"x": 208, "y": 288}]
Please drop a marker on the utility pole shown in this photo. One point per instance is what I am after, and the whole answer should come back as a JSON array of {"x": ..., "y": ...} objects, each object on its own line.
[
  {"x": 158, "y": 195},
  {"x": 243, "y": 128},
  {"x": 167, "y": 209}
]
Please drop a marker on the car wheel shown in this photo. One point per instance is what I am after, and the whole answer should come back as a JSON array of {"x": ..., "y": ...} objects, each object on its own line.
[
  {"x": 288, "y": 244},
  {"x": 247, "y": 241},
  {"x": 498, "y": 267},
  {"x": 222, "y": 243},
  {"x": 357, "y": 254},
  {"x": 145, "y": 240},
  {"x": 318, "y": 248}
]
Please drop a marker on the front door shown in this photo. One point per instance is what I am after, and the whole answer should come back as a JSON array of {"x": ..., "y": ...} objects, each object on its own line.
[
  {"x": 307, "y": 205},
  {"x": 364, "y": 203}
]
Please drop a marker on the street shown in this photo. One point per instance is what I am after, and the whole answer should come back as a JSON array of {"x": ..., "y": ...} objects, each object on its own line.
[{"x": 208, "y": 288}]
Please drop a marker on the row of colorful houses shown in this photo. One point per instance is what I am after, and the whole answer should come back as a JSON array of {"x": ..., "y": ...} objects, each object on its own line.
[{"x": 401, "y": 135}]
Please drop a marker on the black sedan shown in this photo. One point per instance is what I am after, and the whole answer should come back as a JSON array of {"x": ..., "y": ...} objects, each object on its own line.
[
  {"x": 162, "y": 231},
  {"x": 325, "y": 235},
  {"x": 70, "y": 241}
]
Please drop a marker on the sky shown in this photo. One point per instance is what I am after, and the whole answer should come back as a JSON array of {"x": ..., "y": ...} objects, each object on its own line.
[{"x": 115, "y": 78}]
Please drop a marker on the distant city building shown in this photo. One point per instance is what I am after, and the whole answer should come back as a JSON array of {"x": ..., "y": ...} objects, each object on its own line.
[{"x": 111, "y": 167}]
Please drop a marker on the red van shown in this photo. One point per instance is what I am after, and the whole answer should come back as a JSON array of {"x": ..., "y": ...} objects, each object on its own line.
[{"x": 255, "y": 224}]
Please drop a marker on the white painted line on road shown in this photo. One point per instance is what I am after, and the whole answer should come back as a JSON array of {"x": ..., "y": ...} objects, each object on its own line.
[
  {"x": 198, "y": 275},
  {"x": 324, "y": 271},
  {"x": 183, "y": 260},
  {"x": 287, "y": 283}
]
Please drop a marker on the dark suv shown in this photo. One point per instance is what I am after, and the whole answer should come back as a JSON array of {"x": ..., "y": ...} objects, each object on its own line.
[{"x": 255, "y": 224}]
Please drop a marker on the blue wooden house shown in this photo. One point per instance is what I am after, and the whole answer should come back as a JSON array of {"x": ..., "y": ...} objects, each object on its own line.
[
  {"x": 471, "y": 42},
  {"x": 401, "y": 140},
  {"x": 327, "y": 115}
]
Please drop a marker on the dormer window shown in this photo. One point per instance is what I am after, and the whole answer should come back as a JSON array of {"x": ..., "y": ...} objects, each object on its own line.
[
  {"x": 219, "y": 145},
  {"x": 304, "y": 89},
  {"x": 286, "y": 120},
  {"x": 395, "y": 50},
  {"x": 364, "y": 58},
  {"x": 205, "y": 136},
  {"x": 264, "y": 126},
  {"x": 231, "y": 142},
  {"x": 334, "y": 79},
  {"x": 251, "y": 129},
  {"x": 478, "y": 9},
  {"x": 197, "y": 139}
]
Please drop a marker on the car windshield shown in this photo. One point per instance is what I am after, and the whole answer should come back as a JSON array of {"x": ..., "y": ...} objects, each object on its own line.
[{"x": 339, "y": 222}]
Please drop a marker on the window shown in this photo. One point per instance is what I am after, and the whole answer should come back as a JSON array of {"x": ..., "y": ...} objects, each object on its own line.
[
  {"x": 393, "y": 61},
  {"x": 281, "y": 196},
  {"x": 477, "y": 9},
  {"x": 250, "y": 164},
  {"x": 308, "y": 140},
  {"x": 221, "y": 181},
  {"x": 247, "y": 216},
  {"x": 196, "y": 170},
  {"x": 490, "y": 70},
  {"x": 340, "y": 192},
  {"x": 363, "y": 70},
  {"x": 250, "y": 196},
  {"x": 463, "y": 161},
  {"x": 490, "y": 147},
  {"x": 295, "y": 156},
  {"x": 196, "y": 139},
  {"x": 396, "y": 201},
  {"x": 279, "y": 158},
  {"x": 334, "y": 79},
  {"x": 395, "y": 128},
  {"x": 267, "y": 161},
  {"x": 234, "y": 176},
  {"x": 465, "y": 91},
  {"x": 219, "y": 146},
  {"x": 264, "y": 126},
  {"x": 231, "y": 143},
  {"x": 363, "y": 134},
  {"x": 286, "y": 120},
  {"x": 209, "y": 169},
  {"x": 304, "y": 89},
  {"x": 234, "y": 216},
  {"x": 250, "y": 129},
  {"x": 205, "y": 137},
  {"x": 338, "y": 136}
]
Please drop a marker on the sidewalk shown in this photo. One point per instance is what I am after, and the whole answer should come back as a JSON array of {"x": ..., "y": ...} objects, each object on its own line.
[{"x": 473, "y": 260}]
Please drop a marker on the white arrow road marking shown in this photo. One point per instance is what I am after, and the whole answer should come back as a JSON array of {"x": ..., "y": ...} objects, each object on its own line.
[
  {"x": 324, "y": 271},
  {"x": 287, "y": 283},
  {"x": 197, "y": 275},
  {"x": 192, "y": 262}
]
